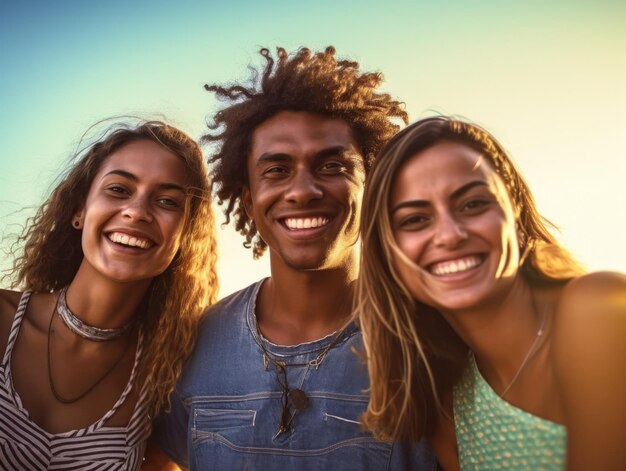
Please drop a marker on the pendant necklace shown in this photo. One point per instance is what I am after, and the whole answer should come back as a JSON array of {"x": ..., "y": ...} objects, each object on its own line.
[
  {"x": 529, "y": 355},
  {"x": 292, "y": 397}
]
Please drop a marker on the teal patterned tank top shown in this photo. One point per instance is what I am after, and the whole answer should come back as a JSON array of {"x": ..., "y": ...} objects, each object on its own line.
[{"x": 493, "y": 434}]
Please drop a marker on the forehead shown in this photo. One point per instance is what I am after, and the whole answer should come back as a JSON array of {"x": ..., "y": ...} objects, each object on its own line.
[
  {"x": 442, "y": 168},
  {"x": 146, "y": 160},
  {"x": 299, "y": 133}
]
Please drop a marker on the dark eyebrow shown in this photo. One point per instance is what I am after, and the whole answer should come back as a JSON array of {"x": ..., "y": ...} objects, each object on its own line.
[
  {"x": 467, "y": 187},
  {"x": 274, "y": 157},
  {"x": 133, "y": 177},
  {"x": 455, "y": 195},
  {"x": 335, "y": 151},
  {"x": 270, "y": 157}
]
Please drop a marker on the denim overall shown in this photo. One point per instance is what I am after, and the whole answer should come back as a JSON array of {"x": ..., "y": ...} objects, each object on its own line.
[{"x": 227, "y": 408}]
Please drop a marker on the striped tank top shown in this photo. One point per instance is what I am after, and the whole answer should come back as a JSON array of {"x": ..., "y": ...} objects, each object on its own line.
[{"x": 26, "y": 446}]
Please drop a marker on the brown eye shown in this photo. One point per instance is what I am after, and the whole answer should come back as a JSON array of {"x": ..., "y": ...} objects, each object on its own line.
[
  {"x": 169, "y": 203},
  {"x": 414, "y": 221},
  {"x": 275, "y": 171},
  {"x": 473, "y": 205},
  {"x": 117, "y": 190},
  {"x": 333, "y": 168}
]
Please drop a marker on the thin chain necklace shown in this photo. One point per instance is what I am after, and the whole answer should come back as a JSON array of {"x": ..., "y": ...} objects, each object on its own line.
[
  {"x": 315, "y": 362},
  {"x": 86, "y": 331},
  {"x": 55, "y": 393},
  {"x": 529, "y": 355},
  {"x": 295, "y": 397}
]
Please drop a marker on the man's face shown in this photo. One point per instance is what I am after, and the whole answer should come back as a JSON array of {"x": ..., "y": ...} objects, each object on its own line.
[{"x": 305, "y": 186}]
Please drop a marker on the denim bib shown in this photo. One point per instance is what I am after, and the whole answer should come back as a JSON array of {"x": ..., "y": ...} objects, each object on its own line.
[{"x": 226, "y": 410}]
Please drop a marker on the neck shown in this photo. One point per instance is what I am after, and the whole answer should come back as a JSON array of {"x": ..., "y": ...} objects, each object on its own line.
[
  {"x": 304, "y": 306},
  {"x": 103, "y": 303},
  {"x": 501, "y": 333}
]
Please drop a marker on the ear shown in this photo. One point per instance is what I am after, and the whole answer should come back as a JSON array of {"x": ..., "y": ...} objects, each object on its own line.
[
  {"x": 246, "y": 200},
  {"x": 78, "y": 219}
]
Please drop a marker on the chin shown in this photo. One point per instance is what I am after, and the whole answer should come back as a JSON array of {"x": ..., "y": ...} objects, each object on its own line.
[
  {"x": 129, "y": 277},
  {"x": 305, "y": 265},
  {"x": 452, "y": 300}
]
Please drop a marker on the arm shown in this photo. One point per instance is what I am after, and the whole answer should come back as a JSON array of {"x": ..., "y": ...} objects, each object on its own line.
[
  {"x": 8, "y": 306},
  {"x": 589, "y": 356}
]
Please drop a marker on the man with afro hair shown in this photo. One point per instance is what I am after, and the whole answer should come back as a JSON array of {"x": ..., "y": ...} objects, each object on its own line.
[{"x": 275, "y": 382}]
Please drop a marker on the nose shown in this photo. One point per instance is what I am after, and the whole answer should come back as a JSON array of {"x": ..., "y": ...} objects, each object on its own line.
[
  {"x": 138, "y": 209},
  {"x": 303, "y": 188},
  {"x": 449, "y": 232}
]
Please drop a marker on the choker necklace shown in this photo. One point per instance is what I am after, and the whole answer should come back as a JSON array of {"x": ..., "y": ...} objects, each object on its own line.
[
  {"x": 531, "y": 352},
  {"x": 89, "y": 332},
  {"x": 292, "y": 397},
  {"x": 55, "y": 393}
]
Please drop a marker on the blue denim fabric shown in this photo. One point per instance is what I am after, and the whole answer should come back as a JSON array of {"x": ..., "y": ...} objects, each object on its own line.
[{"x": 227, "y": 406}]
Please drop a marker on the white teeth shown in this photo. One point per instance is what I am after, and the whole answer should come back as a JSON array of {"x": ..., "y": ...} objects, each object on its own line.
[
  {"x": 131, "y": 241},
  {"x": 306, "y": 223},
  {"x": 455, "y": 266}
]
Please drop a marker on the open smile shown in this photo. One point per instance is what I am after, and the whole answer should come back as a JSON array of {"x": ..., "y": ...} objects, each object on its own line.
[
  {"x": 128, "y": 240},
  {"x": 305, "y": 223},
  {"x": 456, "y": 266}
]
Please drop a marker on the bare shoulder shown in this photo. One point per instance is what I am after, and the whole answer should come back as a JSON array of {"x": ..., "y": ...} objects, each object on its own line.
[
  {"x": 595, "y": 297},
  {"x": 589, "y": 359},
  {"x": 599, "y": 283},
  {"x": 590, "y": 313},
  {"x": 9, "y": 301}
]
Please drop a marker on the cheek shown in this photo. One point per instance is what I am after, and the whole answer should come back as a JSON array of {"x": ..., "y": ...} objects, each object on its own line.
[
  {"x": 174, "y": 233},
  {"x": 410, "y": 244},
  {"x": 410, "y": 276},
  {"x": 493, "y": 226},
  {"x": 354, "y": 193},
  {"x": 93, "y": 218},
  {"x": 503, "y": 230}
]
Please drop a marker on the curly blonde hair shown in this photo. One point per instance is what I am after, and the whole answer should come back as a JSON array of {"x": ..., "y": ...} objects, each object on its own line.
[
  {"x": 52, "y": 253},
  {"x": 413, "y": 355}
]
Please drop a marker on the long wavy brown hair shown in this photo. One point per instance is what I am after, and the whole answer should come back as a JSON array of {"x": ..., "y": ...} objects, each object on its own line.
[
  {"x": 317, "y": 83},
  {"x": 413, "y": 355},
  {"x": 52, "y": 253}
]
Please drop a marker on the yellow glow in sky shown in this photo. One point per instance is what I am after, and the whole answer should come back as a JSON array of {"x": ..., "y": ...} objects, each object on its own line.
[{"x": 546, "y": 78}]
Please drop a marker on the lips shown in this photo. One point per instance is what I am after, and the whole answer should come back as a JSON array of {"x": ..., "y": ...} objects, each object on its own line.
[
  {"x": 456, "y": 266},
  {"x": 293, "y": 223},
  {"x": 130, "y": 240}
]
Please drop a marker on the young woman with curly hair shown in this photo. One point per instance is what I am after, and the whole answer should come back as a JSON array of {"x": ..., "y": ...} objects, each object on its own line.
[
  {"x": 117, "y": 265},
  {"x": 481, "y": 331}
]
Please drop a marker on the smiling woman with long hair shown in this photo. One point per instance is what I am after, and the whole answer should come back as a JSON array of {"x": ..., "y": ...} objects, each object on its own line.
[
  {"x": 117, "y": 265},
  {"x": 481, "y": 331}
]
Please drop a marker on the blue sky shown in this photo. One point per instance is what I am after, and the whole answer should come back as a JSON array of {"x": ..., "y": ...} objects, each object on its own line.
[{"x": 547, "y": 80}]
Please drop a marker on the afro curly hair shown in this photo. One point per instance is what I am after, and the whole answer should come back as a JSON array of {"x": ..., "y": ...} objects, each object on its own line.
[{"x": 315, "y": 83}]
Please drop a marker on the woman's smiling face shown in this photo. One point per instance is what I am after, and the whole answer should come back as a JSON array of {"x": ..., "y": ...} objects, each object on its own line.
[
  {"x": 134, "y": 213},
  {"x": 453, "y": 219}
]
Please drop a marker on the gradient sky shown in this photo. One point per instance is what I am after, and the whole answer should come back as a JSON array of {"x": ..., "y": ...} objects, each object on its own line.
[{"x": 547, "y": 78}]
